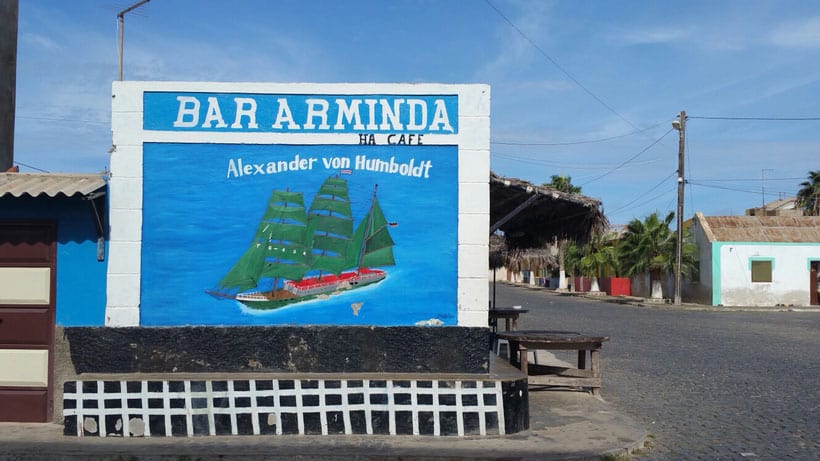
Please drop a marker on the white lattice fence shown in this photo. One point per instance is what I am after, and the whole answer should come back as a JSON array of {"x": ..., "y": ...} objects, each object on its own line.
[{"x": 277, "y": 406}]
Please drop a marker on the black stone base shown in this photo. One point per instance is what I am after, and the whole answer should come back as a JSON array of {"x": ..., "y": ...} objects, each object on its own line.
[{"x": 314, "y": 349}]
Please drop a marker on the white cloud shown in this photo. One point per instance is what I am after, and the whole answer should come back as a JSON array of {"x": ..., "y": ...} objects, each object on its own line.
[
  {"x": 532, "y": 19},
  {"x": 802, "y": 34},
  {"x": 718, "y": 38},
  {"x": 777, "y": 88},
  {"x": 40, "y": 41},
  {"x": 180, "y": 57}
]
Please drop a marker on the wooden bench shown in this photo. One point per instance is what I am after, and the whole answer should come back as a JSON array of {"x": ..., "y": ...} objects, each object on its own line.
[
  {"x": 522, "y": 341},
  {"x": 509, "y": 314}
]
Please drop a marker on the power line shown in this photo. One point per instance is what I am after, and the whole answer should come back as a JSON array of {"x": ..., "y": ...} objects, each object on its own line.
[
  {"x": 761, "y": 119},
  {"x": 750, "y": 179},
  {"x": 555, "y": 164},
  {"x": 32, "y": 167},
  {"x": 580, "y": 85},
  {"x": 735, "y": 189},
  {"x": 724, "y": 187},
  {"x": 572, "y": 143},
  {"x": 659, "y": 184},
  {"x": 622, "y": 164},
  {"x": 651, "y": 199},
  {"x": 669, "y": 203},
  {"x": 544, "y": 162},
  {"x": 558, "y": 66}
]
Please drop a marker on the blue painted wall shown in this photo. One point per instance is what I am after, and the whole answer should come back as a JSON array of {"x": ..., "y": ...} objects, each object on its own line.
[
  {"x": 80, "y": 277},
  {"x": 201, "y": 210}
]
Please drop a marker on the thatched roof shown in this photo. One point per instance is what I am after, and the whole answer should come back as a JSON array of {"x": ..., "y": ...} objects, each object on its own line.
[
  {"x": 532, "y": 259},
  {"x": 517, "y": 260},
  {"x": 549, "y": 214}
]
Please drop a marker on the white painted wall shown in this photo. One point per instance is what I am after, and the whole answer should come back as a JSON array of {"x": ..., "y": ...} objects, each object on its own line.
[
  {"x": 125, "y": 194},
  {"x": 790, "y": 274},
  {"x": 700, "y": 291}
]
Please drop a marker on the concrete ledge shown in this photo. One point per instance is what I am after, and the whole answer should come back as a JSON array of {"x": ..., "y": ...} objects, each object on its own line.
[{"x": 289, "y": 349}]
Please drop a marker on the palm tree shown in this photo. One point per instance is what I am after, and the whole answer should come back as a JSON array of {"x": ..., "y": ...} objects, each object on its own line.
[
  {"x": 571, "y": 260},
  {"x": 595, "y": 255},
  {"x": 650, "y": 246},
  {"x": 563, "y": 184},
  {"x": 808, "y": 197},
  {"x": 612, "y": 256}
]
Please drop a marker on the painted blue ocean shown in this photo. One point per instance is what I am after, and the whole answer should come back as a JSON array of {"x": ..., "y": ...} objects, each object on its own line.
[{"x": 202, "y": 204}]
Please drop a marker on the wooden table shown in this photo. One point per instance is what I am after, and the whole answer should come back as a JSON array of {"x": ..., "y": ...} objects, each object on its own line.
[
  {"x": 521, "y": 341},
  {"x": 510, "y": 316}
]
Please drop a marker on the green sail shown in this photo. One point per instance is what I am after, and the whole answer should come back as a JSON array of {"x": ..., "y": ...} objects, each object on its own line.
[
  {"x": 287, "y": 260},
  {"x": 282, "y": 230},
  {"x": 330, "y": 205},
  {"x": 295, "y": 199},
  {"x": 288, "y": 232},
  {"x": 335, "y": 187},
  {"x": 332, "y": 256},
  {"x": 372, "y": 245},
  {"x": 330, "y": 226},
  {"x": 333, "y": 264},
  {"x": 280, "y": 213},
  {"x": 331, "y": 243},
  {"x": 284, "y": 206},
  {"x": 287, "y": 256},
  {"x": 244, "y": 274},
  {"x": 321, "y": 225},
  {"x": 380, "y": 257}
]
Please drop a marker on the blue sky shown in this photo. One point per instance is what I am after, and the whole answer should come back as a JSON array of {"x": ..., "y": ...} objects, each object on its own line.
[{"x": 583, "y": 89}]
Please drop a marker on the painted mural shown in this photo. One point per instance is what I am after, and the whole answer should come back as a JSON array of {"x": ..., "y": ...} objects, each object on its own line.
[
  {"x": 292, "y": 241},
  {"x": 299, "y": 234}
]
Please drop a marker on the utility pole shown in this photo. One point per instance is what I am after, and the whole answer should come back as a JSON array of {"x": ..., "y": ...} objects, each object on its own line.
[
  {"x": 121, "y": 19},
  {"x": 8, "y": 80},
  {"x": 679, "y": 125}
]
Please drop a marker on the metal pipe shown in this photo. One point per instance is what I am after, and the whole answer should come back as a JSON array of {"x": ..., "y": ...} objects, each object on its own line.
[{"x": 121, "y": 19}]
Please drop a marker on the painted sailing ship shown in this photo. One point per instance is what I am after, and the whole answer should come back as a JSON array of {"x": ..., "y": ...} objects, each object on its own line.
[{"x": 300, "y": 254}]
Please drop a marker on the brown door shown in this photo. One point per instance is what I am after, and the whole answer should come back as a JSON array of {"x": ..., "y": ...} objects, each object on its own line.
[
  {"x": 27, "y": 273},
  {"x": 814, "y": 283}
]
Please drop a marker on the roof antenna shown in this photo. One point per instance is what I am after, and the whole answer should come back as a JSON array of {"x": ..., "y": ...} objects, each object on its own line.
[{"x": 121, "y": 18}]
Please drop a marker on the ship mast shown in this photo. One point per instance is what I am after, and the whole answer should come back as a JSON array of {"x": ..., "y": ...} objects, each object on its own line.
[
  {"x": 278, "y": 258},
  {"x": 367, "y": 229}
]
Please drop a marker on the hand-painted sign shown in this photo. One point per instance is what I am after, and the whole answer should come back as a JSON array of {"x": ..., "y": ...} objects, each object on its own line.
[
  {"x": 301, "y": 113},
  {"x": 298, "y": 204},
  {"x": 311, "y": 235}
]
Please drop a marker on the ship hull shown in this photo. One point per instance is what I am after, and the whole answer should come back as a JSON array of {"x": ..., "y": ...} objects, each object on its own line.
[{"x": 311, "y": 288}]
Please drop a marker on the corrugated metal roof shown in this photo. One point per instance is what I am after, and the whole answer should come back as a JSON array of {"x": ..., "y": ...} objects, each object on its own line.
[
  {"x": 786, "y": 203},
  {"x": 51, "y": 184},
  {"x": 781, "y": 229}
]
